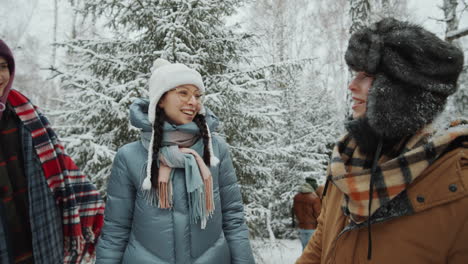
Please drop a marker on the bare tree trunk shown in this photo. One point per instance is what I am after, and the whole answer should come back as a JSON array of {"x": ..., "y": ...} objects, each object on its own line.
[
  {"x": 360, "y": 17},
  {"x": 280, "y": 9},
  {"x": 385, "y": 8},
  {"x": 451, "y": 19},
  {"x": 268, "y": 223},
  {"x": 452, "y": 32},
  {"x": 360, "y": 14},
  {"x": 21, "y": 28},
  {"x": 385, "y": 4},
  {"x": 457, "y": 103},
  {"x": 74, "y": 20},
  {"x": 54, "y": 46},
  {"x": 94, "y": 25}
]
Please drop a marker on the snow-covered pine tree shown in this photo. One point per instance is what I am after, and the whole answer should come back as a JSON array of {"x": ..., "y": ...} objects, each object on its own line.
[
  {"x": 304, "y": 126},
  {"x": 106, "y": 74},
  {"x": 310, "y": 130}
]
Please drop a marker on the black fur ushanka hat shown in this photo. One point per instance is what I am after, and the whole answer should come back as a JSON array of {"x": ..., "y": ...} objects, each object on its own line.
[{"x": 414, "y": 72}]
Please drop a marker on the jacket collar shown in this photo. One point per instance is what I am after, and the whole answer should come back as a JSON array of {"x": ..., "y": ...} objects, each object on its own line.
[{"x": 441, "y": 183}]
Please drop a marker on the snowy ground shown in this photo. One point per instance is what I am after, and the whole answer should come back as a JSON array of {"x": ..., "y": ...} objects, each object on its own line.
[{"x": 282, "y": 251}]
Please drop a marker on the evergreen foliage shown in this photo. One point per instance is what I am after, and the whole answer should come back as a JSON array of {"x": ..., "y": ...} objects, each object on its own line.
[
  {"x": 306, "y": 124},
  {"x": 106, "y": 74}
]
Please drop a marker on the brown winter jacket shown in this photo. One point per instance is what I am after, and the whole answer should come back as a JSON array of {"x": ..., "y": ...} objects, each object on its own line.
[
  {"x": 307, "y": 209},
  {"x": 432, "y": 228}
]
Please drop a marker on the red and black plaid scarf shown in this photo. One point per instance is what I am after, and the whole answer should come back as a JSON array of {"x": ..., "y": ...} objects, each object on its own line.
[
  {"x": 81, "y": 204},
  {"x": 348, "y": 170}
]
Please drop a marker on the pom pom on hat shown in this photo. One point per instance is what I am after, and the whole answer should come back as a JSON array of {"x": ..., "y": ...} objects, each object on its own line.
[{"x": 159, "y": 63}]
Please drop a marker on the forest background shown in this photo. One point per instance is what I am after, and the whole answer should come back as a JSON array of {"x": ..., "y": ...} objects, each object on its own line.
[{"x": 274, "y": 71}]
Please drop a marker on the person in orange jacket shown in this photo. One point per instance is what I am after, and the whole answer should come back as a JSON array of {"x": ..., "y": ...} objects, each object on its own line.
[
  {"x": 306, "y": 208},
  {"x": 396, "y": 189}
]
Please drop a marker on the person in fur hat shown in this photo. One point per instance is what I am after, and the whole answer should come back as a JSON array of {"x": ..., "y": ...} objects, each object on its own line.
[
  {"x": 49, "y": 211},
  {"x": 173, "y": 196},
  {"x": 397, "y": 188}
]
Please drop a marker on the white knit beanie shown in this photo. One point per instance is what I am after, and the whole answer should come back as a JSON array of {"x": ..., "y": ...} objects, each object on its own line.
[{"x": 164, "y": 77}]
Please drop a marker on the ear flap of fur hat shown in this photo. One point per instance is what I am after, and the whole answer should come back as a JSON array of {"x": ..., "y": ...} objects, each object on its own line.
[
  {"x": 396, "y": 110},
  {"x": 414, "y": 73}
]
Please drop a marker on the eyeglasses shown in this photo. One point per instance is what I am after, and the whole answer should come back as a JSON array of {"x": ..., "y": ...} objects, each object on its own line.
[{"x": 185, "y": 94}]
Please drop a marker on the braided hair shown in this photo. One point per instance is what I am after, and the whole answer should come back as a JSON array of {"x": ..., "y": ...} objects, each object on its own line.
[
  {"x": 157, "y": 141},
  {"x": 201, "y": 123},
  {"x": 157, "y": 144}
]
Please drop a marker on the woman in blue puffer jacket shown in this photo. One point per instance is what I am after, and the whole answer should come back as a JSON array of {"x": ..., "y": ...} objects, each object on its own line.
[{"x": 173, "y": 196}]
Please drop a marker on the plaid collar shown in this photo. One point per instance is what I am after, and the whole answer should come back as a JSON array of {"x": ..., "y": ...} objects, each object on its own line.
[{"x": 349, "y": 170}]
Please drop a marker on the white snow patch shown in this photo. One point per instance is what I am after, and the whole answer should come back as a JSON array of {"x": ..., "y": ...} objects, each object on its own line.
[{"x": 279, "y": 252}]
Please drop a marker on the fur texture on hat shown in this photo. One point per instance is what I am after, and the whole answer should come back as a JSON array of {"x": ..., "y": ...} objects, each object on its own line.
[
  {"x": 414, "y": 72},
  {"x": 166, "y": 76}
]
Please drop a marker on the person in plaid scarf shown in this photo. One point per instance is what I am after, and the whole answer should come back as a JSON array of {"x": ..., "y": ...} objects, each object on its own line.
[
  {"x": 49, "y": 211},
  {"x": 173, "y": 196},
  {"x": 397, "y": 187}
]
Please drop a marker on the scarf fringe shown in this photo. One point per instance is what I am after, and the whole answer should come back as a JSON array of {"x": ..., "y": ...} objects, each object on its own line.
[
  {"x": 201, "y": 200},
  {"x": 84, "y": 243},
  {"x": 197, "y": 207},
  {"x": 209, "y": 199},
  {"x": 165, "y": 195},
  {"x": 73, "y": 245}
]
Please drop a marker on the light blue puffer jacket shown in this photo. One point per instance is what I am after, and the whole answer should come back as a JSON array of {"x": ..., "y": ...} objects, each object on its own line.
[{"x": 136, "y": 232}]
